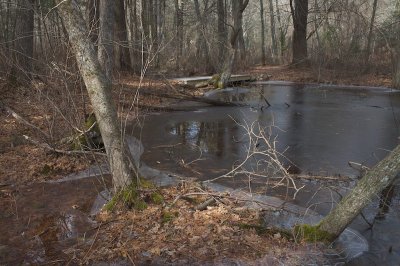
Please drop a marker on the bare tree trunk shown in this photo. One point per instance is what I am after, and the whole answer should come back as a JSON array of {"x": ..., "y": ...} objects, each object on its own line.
[
  {"x": 263, "y": 59},
  {"x": 221, "y": 29},
  {"x": 237, "y": 13},
  {"x": 273, "y": 35},
  {"x": 99, "y": 90},
  {"x": 106, "y": 36},
  {"x": 370, "y": 186},
  {"x": 202, "y": 31},
  {"x": 122, "y": 57},
  {"x": 369, "y": 39},
  {"x": 299, "y": 15},
  {"x": 179, "y": 31}
]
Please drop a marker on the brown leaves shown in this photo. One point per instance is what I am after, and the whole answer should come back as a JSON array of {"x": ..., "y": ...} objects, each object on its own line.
[{"x": 202, "y": 236}]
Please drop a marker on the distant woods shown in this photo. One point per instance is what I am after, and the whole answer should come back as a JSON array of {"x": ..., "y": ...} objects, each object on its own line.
[{"x": 194, "y": 37}]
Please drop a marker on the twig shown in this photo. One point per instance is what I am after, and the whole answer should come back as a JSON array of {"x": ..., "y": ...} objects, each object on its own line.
[{"x": 48, "y": 147}]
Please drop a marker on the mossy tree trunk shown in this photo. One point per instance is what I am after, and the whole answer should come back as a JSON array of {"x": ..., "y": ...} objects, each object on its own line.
[
  {"x": 99, "y": 90},
  {"x": 370, "y": 186}
]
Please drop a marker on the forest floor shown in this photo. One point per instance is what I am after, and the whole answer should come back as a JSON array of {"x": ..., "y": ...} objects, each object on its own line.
[{"x": 213, "y": 236}]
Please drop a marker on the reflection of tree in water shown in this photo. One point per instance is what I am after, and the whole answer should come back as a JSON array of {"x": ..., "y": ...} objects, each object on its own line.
[{"x": 211, "y": 137}]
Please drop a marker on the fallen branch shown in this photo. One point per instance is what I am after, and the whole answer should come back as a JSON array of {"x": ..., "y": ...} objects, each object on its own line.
[
  {"x": 204, "y": 205},
  {"x": 22, "y": 120},
  {"x": 187, "y": 97},
  {"x": 48, "y": 147}
]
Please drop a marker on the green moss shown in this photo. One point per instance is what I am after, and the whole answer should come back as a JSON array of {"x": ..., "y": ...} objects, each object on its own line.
[
  {"x": 129, "y": 197},
  {"x": 312, "y": 233},
  {"x": 147, "y": 184},
  {"x": 168, "y": 216},
  {"x": 157, "y": 198}
]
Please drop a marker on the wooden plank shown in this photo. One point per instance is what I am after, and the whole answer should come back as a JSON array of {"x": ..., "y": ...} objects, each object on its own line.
[{"x": 194, "y": 80}]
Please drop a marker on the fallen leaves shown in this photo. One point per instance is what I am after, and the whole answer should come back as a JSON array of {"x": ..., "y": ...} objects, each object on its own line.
[{"x": 191, "y": 236}]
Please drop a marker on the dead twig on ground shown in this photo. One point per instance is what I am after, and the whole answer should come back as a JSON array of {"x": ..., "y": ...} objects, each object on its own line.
[{"x": 48, "y": 147}]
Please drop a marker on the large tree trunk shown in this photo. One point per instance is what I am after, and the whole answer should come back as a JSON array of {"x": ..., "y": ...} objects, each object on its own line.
[
  {"x": 122, "y": 57},
  {"x": 369, "y": 187},
  {"x": 299, "y": 15},
  {"x": 23, "y": 45},
  {"x": 99, "y": 90},
  {"x": 237, "y": 12},
  {"x": 106, "y": 36}
]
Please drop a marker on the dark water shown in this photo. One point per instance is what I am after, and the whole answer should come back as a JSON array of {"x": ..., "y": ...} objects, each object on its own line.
[{"x": 320, "y": 128}]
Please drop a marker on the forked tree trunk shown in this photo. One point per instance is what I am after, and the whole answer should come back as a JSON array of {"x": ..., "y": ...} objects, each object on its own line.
[
  {"x": 369, "y": 187},
  {"x": 237, "y": 12},
  {"x": 99, "y": 90}
]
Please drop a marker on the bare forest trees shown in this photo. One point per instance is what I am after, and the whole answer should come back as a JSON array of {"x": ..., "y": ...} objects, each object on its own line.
[{"x": 99, "y": 89}]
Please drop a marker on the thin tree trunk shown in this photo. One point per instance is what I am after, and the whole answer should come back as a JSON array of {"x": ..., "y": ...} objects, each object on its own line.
[
  {"x": 106, "y": 36},
  {"x": 369, "y": 39},
  {"x": 99, "y": 90},
  {"x": 263, "y": 59},
  {"x": 179, "y": 31},
  {"x": 369, "y": 187},
  {"x": 396, "y": 67}
]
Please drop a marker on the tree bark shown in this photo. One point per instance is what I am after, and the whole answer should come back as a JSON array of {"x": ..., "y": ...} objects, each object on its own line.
[
  {"x": 99, "y": 90},
  {"x": 106, "y": 36},
  {"x": 375, "y": 181},
  {"x": 299, "y": 14}
]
